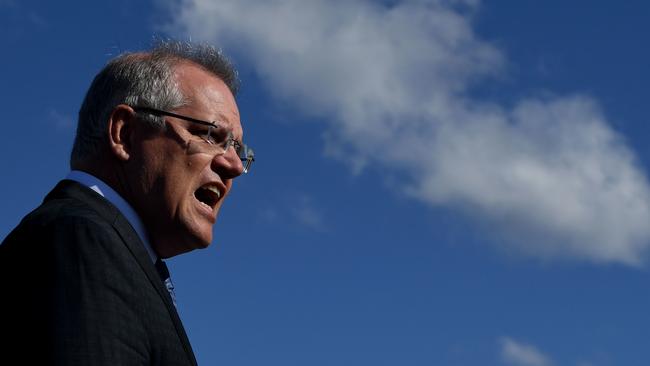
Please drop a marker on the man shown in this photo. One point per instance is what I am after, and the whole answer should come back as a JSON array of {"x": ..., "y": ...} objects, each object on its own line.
[{"x": 158, "y": 144}]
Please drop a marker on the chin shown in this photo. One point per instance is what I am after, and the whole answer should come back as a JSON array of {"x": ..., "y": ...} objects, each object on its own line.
[
  {"x": 201, "y": 239},
  {"x": 203, "y": 244},
  {"x": 195, "y": 242},
  {"x": 181, "y": 246}
]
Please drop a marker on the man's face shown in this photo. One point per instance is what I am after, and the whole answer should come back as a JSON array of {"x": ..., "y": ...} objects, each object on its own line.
[{"x": 180, "y": 190}]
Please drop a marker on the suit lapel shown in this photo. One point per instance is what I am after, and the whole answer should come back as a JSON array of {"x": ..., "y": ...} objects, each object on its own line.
[
  {"x": 133, "y": 243},
  {"x": 136, "y": 247}
]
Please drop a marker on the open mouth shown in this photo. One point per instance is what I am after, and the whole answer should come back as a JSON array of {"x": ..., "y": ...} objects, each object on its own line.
[{"x": 208, "y": 195}]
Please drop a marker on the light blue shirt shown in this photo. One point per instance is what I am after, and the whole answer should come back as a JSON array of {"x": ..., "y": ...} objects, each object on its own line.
[{"x": 113, "y": 197}]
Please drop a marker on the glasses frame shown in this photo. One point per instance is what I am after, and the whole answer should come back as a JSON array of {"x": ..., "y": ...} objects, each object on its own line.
[{"x": 244, "y": 152}]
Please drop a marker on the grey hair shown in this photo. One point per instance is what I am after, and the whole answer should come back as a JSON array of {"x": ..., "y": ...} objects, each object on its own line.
[{"x": 144, "y": 79}]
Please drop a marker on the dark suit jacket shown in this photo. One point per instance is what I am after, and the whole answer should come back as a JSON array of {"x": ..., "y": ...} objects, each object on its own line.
[{"x": 79, "y": 288}]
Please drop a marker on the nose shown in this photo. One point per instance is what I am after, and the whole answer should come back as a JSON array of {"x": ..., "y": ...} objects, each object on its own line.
[{"x": 228, "y": 165}]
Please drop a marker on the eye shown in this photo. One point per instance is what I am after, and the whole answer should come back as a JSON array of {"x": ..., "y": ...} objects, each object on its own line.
[
  {"x": 209, "y": 136},
  {"x": 237, "y": 145},
  {"x": 216, "y": 136}
]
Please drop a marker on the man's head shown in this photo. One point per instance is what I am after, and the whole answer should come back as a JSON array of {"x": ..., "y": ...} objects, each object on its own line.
[{"x": 140, "y": 130}]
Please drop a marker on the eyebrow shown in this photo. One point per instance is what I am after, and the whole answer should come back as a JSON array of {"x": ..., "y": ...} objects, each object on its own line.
[
  {"x": 170, "y": 114},
  {"x": 214, "y": 124},
  {"x": 227, "y": 124}
]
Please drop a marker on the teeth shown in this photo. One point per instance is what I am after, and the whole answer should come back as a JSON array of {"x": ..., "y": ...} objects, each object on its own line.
[{"x": 214, "y": 190}]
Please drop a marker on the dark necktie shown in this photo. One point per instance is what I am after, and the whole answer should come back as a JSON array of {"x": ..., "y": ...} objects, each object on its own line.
[{"x": 161, "y": 267}]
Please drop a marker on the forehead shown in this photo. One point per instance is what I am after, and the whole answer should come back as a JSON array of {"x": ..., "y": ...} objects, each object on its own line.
[{"x": 206, "y": 96}]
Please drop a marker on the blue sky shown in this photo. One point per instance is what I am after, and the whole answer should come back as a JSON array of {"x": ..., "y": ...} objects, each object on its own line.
[{"x": 437, "y": 182}]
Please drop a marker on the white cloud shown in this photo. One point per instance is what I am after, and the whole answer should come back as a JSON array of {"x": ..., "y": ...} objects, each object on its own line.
[
  {"x": 519, "y": 354},
  {"x": 394, "y": 85}
]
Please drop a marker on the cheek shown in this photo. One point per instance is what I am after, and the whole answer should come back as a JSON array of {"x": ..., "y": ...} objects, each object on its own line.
[
  {"x": 193, "y": 171},
  {"x": 228, "y": 184}
]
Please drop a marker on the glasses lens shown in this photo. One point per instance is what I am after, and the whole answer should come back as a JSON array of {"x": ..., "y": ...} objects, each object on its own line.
[
  {"x": 247, "y": 157},
  {"x": 215, "y": 141}
]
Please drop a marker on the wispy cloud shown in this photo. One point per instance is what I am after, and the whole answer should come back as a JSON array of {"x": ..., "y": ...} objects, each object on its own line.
[
  {"x": 306, "y": 213},
  {"x": 520, "y": 354},
  {"x": 61, "y": 120},
  {"x": 394, "y": 83},
  {"x": 37, "y": 20},
  {"x": 8, "y": 3},
  {"x": 298, "y": 210}
]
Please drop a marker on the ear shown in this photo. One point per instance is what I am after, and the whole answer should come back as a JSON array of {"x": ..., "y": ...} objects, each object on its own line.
[{"x": 120, "y": 131}]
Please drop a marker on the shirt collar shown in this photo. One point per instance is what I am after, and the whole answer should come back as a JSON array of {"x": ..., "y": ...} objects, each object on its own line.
[{"x": 113, "y": 197}]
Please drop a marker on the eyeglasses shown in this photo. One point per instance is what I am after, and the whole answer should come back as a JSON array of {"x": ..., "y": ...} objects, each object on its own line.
[{"x": 216, "y": 140}]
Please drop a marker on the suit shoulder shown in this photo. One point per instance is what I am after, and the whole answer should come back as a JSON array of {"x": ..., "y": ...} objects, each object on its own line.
[
  {"x": 65, "y": 211},
  {"x": 61, "y": 220}
]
